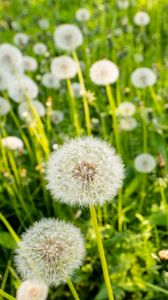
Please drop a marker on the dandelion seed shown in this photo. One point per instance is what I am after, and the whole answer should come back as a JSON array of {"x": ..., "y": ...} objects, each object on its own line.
[
  {"x": 12, "y": 143},
  {"x": 32, "y": 289},
  {"x": 85, "y": 171},
  {"x": 104, "y": 72},
  {"x": 29, "y": 63},
  {"x": 4, "y": 106},
  {"x": 68, "y": 37},
  {"x": 145, "y": 163},
  {"x": 50, "y": 251},
  {"x": 63, "y": 67},
  {"x": 126, "y": 109},
  {"x": 141, "y": 18},
  {"x": 82, "y": 15},
  {"x": 143, "y": 77},
  {"x": 50, "y": 81}
]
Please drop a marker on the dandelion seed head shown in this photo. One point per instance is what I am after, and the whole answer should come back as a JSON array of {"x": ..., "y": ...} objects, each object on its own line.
[
  {"x": 82, "y": 15},
  {"x": 21, "y": 39},
  {"x": 163, "y": 254},
  {"x": 10, "y": 59},
  {"x": 84, "y": 171},
  {"x": 57, "y": 116},
  {"x": 63, "y": 67},
  {"x": 143, "y": 77},
  {"x": 104, "y": 72},
  {"x": 50, "y": 81},
  {"x": 25, "y": 110},
  {"x": 141, "y": 18},
  {"x": 43, "y": 23},
  {"x": 126, "y": 109},
  {"x": 145, "y": 163},
  {"x": 128, "y": 124},
  {"x": 29, "y": 63},
  {"x": 32, "y": 289},
  {"x": 12, "y": 143},
  {"x": 39, "y": 48},
  {"x": 4, "y": 106},
  {"x": 50, "y": 250},
  {"x": 22, "y": 88},
  {"x": 68, "y": 37}
]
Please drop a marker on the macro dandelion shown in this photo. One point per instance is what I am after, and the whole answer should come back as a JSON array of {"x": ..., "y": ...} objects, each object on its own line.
[
  {"x": 21, "y": 39},
  {"x": 12, "y": 143},
  {"x": 68, "y": 37},
  {"x": 50, "y": 250},
  {"x": 32, "y": 289},
  {"x": 104, "y": 72},
  {"x": 145, "y": 163},
  {"x": 63, "y": 67},
  {"x": 85, "y": 171},
  {"x": 10, "y": 59},
  {"x": 141, "y": 18},
  {"x": 50, "y": 81},
  {"x": 143, "y": 77}
]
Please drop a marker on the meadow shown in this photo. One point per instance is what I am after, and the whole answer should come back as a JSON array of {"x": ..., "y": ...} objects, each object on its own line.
[{"x": 83, "y": 150}]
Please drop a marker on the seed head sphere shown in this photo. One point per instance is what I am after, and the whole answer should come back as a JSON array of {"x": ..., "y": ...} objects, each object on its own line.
[{"x": 85, "y": 171}]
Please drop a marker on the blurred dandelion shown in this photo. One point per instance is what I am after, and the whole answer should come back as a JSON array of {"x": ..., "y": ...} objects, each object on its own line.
[{"x": 32, "y": 289}]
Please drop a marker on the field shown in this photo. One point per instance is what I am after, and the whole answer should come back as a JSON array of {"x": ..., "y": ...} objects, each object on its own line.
[{"x": 71, "y": 69}]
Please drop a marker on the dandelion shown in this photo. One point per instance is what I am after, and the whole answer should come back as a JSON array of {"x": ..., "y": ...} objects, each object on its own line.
[
  {"x": 141, "y": 18},
  {"x": 68, "y": 37},
  {"x": 12, "y": 143},
  {"x": 85, "y": 171},
  {"x": 21, "y": 39},
  {"x": 82, "y": 15},
  {"x": 39, "y": 48},
  {"x": 104, "y": 72},
  {"x": 145, "y": 163},
  {"x": 23, "y": 88},
  {"x": 10, "y": 59},
  {"x": 50, "y": 81},
  {"x": 57, "y": 116},
  {"x": 126, "y": 109},
  {"x": 43, "y": 23},
  {"x": 50, "y": 251},
  {"x": 123, "y": 4},
  {"x": 163, "y": 254},
  {"x": 128, "y": 124},
  {"x": 4, "y": 106},
  {"x": 32, "y": 289},
  {"x": 29, "y": 63},
  {"x": 63, "y": 67},
  {"x": 4, "y": 80},
  {"x": 25, "y": 110},
  {"x": 143, "y": 77},
  {"x": 138, "y": 57}
]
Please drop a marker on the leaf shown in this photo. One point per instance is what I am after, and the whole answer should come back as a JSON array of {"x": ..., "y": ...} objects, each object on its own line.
[
  {"x": 158, "y": 219},
  {"x": 7, "y": 241},
  {"x": 102, "y": 294}
]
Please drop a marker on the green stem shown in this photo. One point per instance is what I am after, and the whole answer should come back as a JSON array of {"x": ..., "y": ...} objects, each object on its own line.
[
  {"x": 6, "y": 296},
  {"x": 156, "y": 288},
  {"x": 73, "y": 107},
  {"x": 155, "y": 99},
  {"x": 10, "y": 229},
  {"x": 72, "y": 289},
  {"x": 144, "y": 136},
  {"x": 120, "y": 211},
  {"x": 114, "y": 119},
  {"x": 163, "y": 197},
  {"x": 101, "y": 253}
]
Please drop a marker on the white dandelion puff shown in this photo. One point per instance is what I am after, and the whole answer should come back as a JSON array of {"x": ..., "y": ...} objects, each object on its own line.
[
  {"x": 145, "y": 163},
  {"x": 123, "y": 4},
  {"x": 50, "y": 251},
  {"x": 57, "y": 116},
  {"x": 63, "y": 67},
  {"x": 143, "y": 77},
  {"x": 104, "y": 72},
  {"x": 126, "y": 109},
  {"x": 39, "y": 48},
  {"x": 85, "y": 171},
  {"x": 25, "y": 111},
  {"x": 12, "y": 143},
  {"x": 68, "y": 37},
  {"x": 4, "y": 106},
  {"x": 29, "y": 63},
  {"x": 21, "y": 39},
  {"x": 32, "y": 289},
  {"x": 128, "y": 124},
  {"x": 23, "y": 88},
  {"x": 50, "y": 81},
  {"x": 4, "y": 80},
  {"x": 77, "y": 89},
  {"x": 82, "y": 15},
  {"x": 141, "y": 18},
  {"x": 10, "y": 59},
  {"x": 43, "y": 23}
]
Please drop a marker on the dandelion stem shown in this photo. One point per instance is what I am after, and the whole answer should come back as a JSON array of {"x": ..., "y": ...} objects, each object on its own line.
[
  {"x": 72, "y": 289},
  {"x": 101, "y": 253},
  {"x": 6, "y": 296},
  {"x": 155, "y": 99},
  {"x": 85, "y": 102},
  {"x": 73, "y": 107},
  {"x": 163, "y": 197},
  {"x": 9, "y": 227},
  {"x": 120, "y": 213},
  {"x": 156, "y": 288}
]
